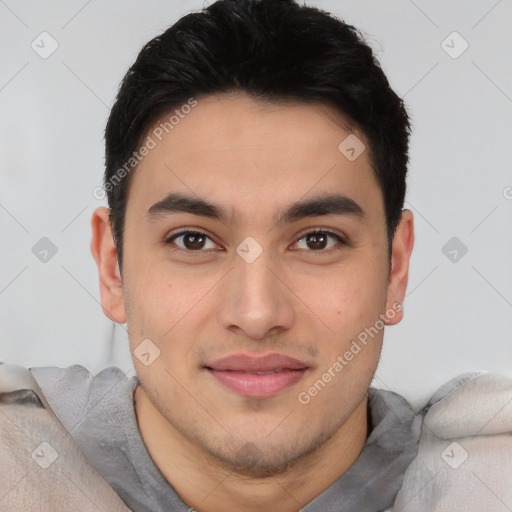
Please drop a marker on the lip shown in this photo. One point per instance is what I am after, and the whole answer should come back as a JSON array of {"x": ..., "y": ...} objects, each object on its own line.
[
  {"x": 242, "y": 373},
  {"x": 250, "y": 364}
]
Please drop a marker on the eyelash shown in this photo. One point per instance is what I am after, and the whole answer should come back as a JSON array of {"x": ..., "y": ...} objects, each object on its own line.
[{"x": 333, "y": 234}]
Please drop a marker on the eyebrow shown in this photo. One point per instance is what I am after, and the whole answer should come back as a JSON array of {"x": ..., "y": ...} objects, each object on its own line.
[{"x": 327, "y": 204}]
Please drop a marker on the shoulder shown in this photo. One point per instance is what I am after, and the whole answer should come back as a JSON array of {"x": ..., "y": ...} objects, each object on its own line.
[
  {"x": 42, "y": 467},
  {"x": 465, "y": 447},
  {"x": 460, "y": 406},
  {"x": 73, "y": 391}
]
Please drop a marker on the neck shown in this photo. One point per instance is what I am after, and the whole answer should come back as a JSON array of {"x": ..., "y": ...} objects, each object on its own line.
[{"x": 206, "y": 487}]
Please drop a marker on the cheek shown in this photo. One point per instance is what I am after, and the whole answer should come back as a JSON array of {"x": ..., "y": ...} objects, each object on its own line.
[
  {"x": 347, "y": 324},
  {"x": 169, "y": 311},
  {"x": 347, "y": 297}
]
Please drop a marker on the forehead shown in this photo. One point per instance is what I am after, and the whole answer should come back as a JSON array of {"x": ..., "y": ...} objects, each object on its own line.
[{"x": 243, "y": 151}]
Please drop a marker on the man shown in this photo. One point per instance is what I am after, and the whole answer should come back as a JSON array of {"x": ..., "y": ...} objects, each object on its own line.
[{"x": 256, "y": 245}]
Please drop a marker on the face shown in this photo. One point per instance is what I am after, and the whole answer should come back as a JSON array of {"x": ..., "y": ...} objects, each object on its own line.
[{"x": 254, "y": 305}]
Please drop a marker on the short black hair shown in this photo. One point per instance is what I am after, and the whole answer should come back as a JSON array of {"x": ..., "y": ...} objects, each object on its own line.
[{"x": 273, "y": 50}]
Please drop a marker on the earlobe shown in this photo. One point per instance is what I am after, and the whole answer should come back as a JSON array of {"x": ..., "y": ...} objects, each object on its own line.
[
  {"x": 403, "y": 243},
  {"x": 104, "y": 253}
]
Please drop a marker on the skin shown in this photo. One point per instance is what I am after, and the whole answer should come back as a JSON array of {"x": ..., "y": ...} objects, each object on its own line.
[{"x": 219, "y": 450}]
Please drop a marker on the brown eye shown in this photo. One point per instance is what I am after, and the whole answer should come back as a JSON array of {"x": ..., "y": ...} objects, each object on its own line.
[
  {"x": 319, "y": 241},
  {"x": 194, "y": 241},
  {"x": 191, "y": 241},
  {"x": 316, "y": 241}
]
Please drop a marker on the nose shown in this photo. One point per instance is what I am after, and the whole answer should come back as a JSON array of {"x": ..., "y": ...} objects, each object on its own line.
[{"x": 256, "y": 299}]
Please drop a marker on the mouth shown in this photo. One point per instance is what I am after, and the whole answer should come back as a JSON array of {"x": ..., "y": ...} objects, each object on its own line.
[{"x": 257, "y": 377}]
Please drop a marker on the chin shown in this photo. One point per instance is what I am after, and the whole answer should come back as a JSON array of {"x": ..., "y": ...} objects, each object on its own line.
[{"x": 261, "y": 458}]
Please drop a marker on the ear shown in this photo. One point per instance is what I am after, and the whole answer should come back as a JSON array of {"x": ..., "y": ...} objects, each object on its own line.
[
  {"x": 104, "y": 253},
  {"x": 401, "y": 251}
]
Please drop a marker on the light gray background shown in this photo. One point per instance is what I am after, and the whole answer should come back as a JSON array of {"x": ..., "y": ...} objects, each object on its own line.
[{"x": 458, "y": 315}]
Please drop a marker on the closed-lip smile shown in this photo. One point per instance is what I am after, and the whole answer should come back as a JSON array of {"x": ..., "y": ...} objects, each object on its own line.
[{"x": 257, "y": 376}]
